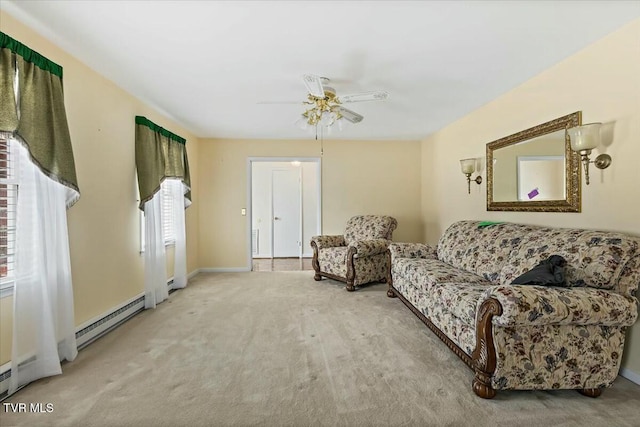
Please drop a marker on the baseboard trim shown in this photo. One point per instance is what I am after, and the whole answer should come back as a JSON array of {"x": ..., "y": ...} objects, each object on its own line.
[
  {"x": 225, "y": 270},
  {"x": 630, "y": 375},
  {"x": 102, "y": 324},
  {"x": 95, "y": 328}
]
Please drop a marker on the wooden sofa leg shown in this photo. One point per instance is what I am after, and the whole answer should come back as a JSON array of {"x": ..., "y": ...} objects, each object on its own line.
[
  {"x": 390, "y": 292},
  {"x": 484, "y": 355},
  {"x": 590, "y": 392},
  {"x": 481, "y": 388},
  {"x": 350, "y": 287}
]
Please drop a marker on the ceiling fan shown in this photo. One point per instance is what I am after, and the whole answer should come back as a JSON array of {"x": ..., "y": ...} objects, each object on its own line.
[{"x": 326, "y": 106}]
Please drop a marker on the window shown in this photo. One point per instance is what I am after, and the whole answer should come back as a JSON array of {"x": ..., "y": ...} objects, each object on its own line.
[
  {"x": 168, "y": 229},
  {"x": 8, "y": 201}
]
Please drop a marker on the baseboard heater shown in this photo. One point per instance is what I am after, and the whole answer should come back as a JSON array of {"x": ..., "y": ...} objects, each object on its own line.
[{"x": 92, "y": 330}]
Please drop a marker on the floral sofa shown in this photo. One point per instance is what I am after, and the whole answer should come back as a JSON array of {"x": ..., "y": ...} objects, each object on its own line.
[
  {"x": 357, "y": 257},
  {"x": 524, "y": 336}
]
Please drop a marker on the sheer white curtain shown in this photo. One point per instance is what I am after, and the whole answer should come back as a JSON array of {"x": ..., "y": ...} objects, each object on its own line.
[
  {"x": 178, "y": 190},
  {"x": 155, "y": 268},
  {"x": 43, "y": 318},
  {"x": 155, "y": 265}
]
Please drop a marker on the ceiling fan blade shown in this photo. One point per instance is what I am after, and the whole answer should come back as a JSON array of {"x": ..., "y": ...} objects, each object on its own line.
[
  {"x": 350, "y": 116},
  {"x": 377, "y": 95},
  {"x": 314, "y": 85}
]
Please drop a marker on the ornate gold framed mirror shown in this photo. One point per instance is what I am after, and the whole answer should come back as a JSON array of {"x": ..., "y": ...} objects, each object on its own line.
[{"x": 535, "y": 170}]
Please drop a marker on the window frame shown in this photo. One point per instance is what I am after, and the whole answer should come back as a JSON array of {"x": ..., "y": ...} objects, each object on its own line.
[{"x": 7, "y": 283}]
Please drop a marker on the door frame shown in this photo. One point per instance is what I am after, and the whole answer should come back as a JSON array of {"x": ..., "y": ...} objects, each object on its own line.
[{"x": 249, "y": 212}]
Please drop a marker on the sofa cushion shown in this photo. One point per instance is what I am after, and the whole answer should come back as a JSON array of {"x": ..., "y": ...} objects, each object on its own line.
[
  {"x": 482, "y": 250},
  {"x": 594, "y": 258},
  {"x": 461, "y": 299},
  {"x": 368, "y": 227},
  {"x": 428, "y": 273}
]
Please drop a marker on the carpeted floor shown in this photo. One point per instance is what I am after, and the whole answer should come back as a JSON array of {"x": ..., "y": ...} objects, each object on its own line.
[{"x": 279, "y": 349}]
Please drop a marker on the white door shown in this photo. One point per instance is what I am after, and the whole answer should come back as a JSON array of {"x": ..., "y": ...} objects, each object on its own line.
[{"x": 286, "y": 213}]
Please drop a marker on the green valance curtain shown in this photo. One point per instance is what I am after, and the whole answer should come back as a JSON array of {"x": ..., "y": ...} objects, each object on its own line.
[
  {"x": 160, "y": 154},
  {"x": 34, "y": 114}
]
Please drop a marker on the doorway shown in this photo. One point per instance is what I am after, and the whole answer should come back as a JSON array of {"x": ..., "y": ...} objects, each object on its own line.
[{"x": 284, "y": 212}]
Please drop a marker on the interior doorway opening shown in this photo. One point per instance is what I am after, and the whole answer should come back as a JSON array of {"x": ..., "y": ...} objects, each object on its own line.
[{"x": 284, "y": 212}]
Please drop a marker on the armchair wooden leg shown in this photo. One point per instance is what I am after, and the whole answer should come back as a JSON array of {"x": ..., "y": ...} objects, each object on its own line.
[
  {"x": 351, "y": 272},
  {"x": 590, "y": 392},
  {"x": 314, "y": 262},
  {"x": 389, "y": 279}
]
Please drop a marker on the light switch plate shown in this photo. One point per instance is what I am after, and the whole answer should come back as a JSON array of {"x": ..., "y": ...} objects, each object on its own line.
[{"x": 243, "y": 212}]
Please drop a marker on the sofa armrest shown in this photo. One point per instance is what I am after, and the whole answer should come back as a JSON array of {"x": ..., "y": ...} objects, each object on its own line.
[
  {"x": 322, "y": 242},
  {"x": 541, "y": 305},
  {"x": 363, "y": 248},
  {"x": 412, "y": 250}
]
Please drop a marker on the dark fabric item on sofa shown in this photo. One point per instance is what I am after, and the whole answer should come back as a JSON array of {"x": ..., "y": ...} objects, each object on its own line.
[{"x": 549, "y": 272}]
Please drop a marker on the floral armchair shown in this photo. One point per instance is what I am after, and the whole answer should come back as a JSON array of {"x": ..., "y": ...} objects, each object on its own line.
[{"x": 357, "y": 257}]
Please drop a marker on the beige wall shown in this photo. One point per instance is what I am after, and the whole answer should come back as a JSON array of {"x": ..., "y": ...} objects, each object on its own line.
[
  {"x": 602, "y": 81},
  {"x": 107, "y": 267},
  {"x": 358, "y": 177}
]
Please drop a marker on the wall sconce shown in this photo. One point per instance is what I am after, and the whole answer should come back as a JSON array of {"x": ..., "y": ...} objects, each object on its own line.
[
  {"x": 584, "y": 139},
  {"x": 468, "y": 167}
]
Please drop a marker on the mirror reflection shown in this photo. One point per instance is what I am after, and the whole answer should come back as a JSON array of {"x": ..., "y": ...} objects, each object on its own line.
[
  {"x": 534, "y": 170},
  {"x": 540, "y": 178}
]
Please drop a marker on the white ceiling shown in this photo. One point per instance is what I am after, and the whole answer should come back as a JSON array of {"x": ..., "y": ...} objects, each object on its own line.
[{"x": 207, "y": 64}]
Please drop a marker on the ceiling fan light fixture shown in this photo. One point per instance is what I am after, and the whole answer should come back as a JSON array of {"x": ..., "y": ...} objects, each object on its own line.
[
  {"x": 302, "y": 122},
  {"x": 328, "y": 118},
  {"x": 324, "y": 107}
]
